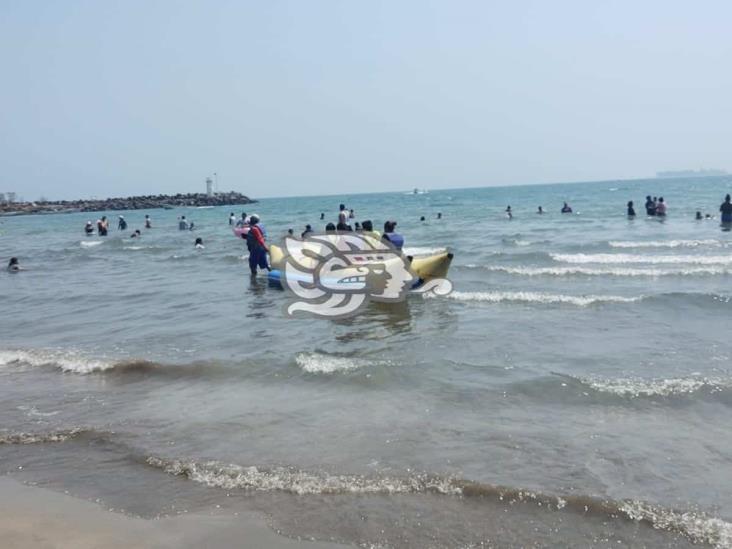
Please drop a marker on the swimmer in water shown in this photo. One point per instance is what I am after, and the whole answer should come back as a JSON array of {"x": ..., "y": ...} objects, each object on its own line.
[
  {"x": 148, "y": 223},
  {"x": 509, "y": 213},
  {"x": 308, "y": 230},
  {"x": 290, "y": 232},
  {"x": 122, "y": 224},
  {"x": 13, "y": 265},
  {"x": 631, "y": 210},
  {"x": 89, "y": 228},
  {"x": 566, "y": 209},
  {"x": 199, "y": 244},
  {"x": 232, "y": 218},
  {"x": 699, "y": 216},
  {"x": 422, "y": 219},
  {"x": 439, "y": 215},
  {"x": 136, "y": 234},
  {"x": 540, "y": 210}
]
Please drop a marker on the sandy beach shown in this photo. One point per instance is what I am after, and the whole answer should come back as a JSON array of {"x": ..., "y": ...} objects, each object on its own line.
[{"x": 32, "y": 517}]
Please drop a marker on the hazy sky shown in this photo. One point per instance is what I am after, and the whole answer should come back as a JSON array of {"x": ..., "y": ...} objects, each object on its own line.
[{"x": 308, "y": 97}]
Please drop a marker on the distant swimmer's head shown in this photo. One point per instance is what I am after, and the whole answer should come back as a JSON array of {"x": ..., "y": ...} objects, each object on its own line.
[
  {"x": 13, "y": 264},
  {"x": 199, "y": 241},
  {"x": 421, "y": 218}
]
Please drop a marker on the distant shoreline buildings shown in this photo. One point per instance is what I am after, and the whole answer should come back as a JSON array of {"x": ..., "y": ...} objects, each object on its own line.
[{"x": 691, "y": 173}]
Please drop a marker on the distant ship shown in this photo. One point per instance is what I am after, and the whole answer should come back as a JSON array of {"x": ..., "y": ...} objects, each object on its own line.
[
  {"x": 418, "y": 191},
  {"x": 692, "y": 173}
]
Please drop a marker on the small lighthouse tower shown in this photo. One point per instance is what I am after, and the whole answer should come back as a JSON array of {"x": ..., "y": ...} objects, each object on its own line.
[{"x": 209, "y": 186}]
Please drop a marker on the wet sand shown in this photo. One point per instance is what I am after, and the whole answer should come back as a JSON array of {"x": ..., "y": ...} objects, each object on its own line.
[{"x": 32, "y": 517}]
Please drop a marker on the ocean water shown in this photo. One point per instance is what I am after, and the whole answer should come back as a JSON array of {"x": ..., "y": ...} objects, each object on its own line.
[{"x": 573, "y": 391}]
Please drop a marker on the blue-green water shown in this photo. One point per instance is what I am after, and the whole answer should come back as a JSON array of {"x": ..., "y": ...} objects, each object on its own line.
[{"x": 583, "y": 360}]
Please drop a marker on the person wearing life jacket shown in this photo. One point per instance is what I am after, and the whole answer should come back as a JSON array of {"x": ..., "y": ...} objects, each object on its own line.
[
  {"x": 257, "y": 246},
  {"x": 390, "y": 235}
]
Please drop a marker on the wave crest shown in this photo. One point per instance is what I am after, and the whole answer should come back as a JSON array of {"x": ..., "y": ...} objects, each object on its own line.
[
  {"x": 666, "y": 243},
  {"x": 640, "y": 258},
  {"x": 36, "y": 438},
  {"x": 698, "y": 527},
  {"x": 538, "y": 297}
]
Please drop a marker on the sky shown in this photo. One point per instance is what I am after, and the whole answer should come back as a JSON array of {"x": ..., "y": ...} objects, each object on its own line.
[{"x": 280, "y": 98}]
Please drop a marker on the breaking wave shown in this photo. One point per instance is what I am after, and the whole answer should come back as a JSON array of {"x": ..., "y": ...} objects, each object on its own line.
[
  {"x": 666, "y": 243},
  {"x": 697, "y": 526},
  {"x": 36, "y": 438},
  {"x": 70, "y": 361},
  {"x": 638, "y": 387},
  {"x": 538, "y": 297},
  {"x": 640, "y": 258},
  {"x": 322, "y": 363},
  {"x": 90, "y": 243},
  {"x": 606, "y": 271}
]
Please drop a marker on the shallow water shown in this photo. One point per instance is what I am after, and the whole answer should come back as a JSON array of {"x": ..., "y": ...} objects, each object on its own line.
[{"x": 574, "y": 389}]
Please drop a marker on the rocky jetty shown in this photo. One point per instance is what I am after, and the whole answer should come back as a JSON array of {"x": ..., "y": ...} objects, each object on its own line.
[{"x": 130, "y": 203}]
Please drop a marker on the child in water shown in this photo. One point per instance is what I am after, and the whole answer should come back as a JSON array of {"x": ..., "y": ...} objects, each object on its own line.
[{"x": 199, "y": 244}]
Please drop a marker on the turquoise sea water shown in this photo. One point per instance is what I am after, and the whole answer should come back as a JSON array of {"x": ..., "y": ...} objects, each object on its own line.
[{"x": 573, "y": 390}]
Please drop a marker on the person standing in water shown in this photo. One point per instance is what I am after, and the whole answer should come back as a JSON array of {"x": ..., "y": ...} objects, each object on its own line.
[
  {"x": 257, "y": 246},
  {"x": 726, "y": 211},
  {"x": 182, "y": 223},
  {"x": 631, "y": 210},
  {"x": 308, "y": 230},
  {"x": 540, "y": 210},
  {"x": 566, "y": 209},
  {"x": 89, "y": 228},
  {"x": 232, "y": 218},
  {"x": 199, "y": 244},
  {"x": 650, "y": 206},
  {"x": 148, "y": 223},
  {"x": 122, "y": 224},
  {"x": 509, "y": 213},
  {"x": 661, "y": 208},
  {"x": 102, "y": 226}
]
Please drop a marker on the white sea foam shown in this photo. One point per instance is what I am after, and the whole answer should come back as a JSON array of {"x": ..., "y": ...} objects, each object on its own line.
[
  {"x": 606, "y": 271},
  {"x": 666, "y": 243},
  {"x": 698, "y": 527},
  {"x": 90, "y": 243},
  {"x": 642, "y": 258},
  {"x": 538, "y": 297},
  {"x": 229, "y": 477},
  {"x": 639, "y": 387},
  {"x": 67, "y": 361},
  {"x": 321, "y": 363},
  {"x": 35, "y": 438},
  {"x": 422, "y": 250}
]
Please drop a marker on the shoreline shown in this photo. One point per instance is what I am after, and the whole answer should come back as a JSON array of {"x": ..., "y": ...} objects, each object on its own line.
[{"x": 35, "y": 517}]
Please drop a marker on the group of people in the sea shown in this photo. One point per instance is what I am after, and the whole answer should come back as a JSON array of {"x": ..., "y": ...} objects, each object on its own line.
[
  {"x": 566, "y": 209},
  {"x": 103, "y": 226},
  {"x": 249, "y": 227}
]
